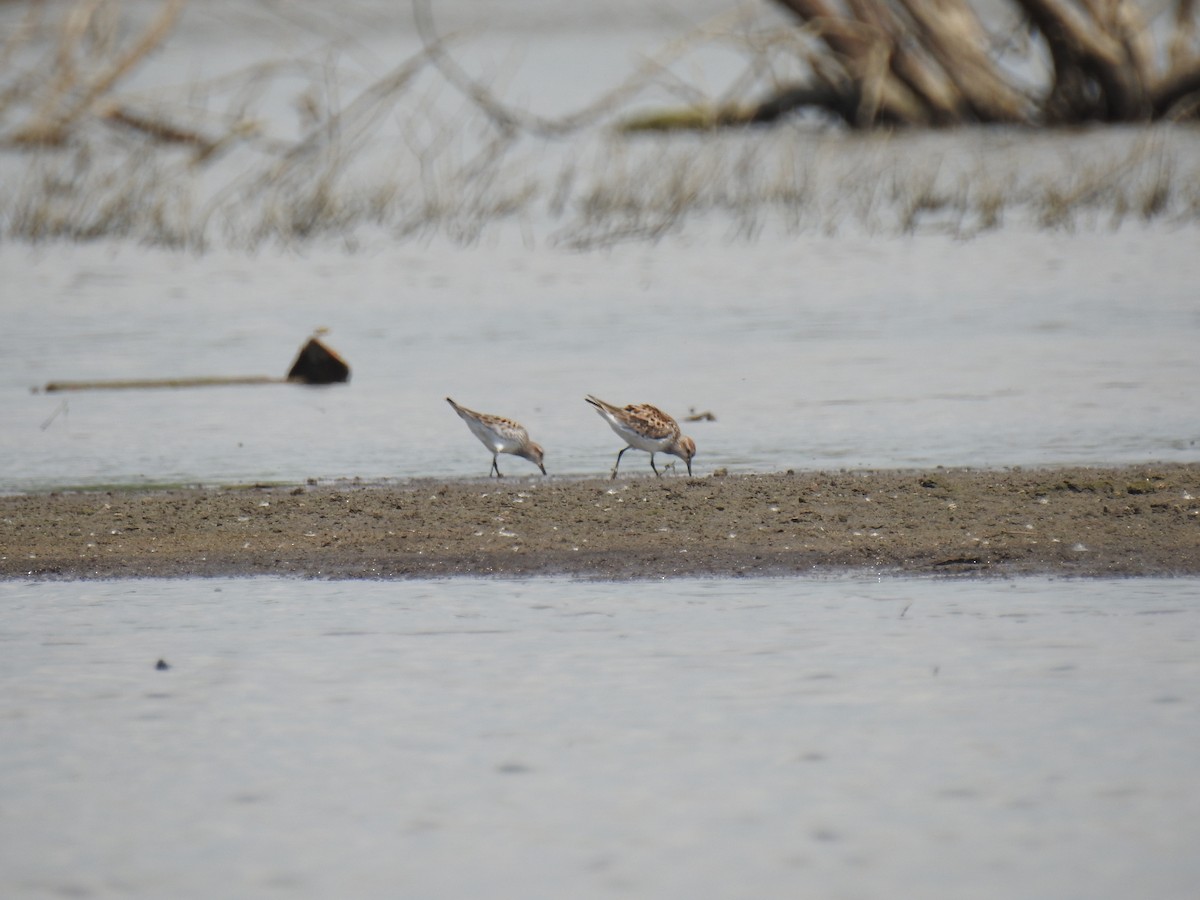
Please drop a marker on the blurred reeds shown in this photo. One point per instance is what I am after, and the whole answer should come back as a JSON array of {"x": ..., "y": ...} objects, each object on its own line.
[{"x": 423, "y": 151}]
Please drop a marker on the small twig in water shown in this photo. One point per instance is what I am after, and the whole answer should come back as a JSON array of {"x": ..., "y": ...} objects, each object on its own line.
[{"x": 61, "y": 408}]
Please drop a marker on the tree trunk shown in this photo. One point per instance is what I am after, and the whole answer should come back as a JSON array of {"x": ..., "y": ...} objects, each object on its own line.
[{"x": 934, "y": 62}]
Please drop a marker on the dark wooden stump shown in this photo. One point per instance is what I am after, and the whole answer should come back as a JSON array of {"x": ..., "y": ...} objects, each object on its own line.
[{"x": 317, "y": 364}]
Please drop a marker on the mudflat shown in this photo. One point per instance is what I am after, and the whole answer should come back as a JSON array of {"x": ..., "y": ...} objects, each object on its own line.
[
  {"x": 1132, "y": 520},
  {"x": 1141, "y": 520}
]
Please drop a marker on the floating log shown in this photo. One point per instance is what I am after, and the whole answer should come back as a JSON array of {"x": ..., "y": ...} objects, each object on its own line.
[{"x": 315, "y": 364}]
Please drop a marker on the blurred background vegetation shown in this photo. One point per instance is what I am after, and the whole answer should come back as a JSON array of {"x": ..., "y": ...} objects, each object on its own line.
[{"x": 862, "y": 113}]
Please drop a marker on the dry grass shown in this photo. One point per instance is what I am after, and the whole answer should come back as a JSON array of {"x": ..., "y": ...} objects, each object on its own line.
[{"x": 423, "y": 151}]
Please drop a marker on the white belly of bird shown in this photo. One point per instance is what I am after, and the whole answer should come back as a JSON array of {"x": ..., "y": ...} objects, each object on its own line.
[
  {"x": 639, "y": 441},
  {"x": 496, "y": 441}
]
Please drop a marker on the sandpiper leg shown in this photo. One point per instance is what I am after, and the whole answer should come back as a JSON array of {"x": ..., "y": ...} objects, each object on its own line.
[{"x": 618, "y": 462}]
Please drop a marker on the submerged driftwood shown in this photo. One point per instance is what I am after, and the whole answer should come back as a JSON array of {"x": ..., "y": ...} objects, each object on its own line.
[
  {"x": 126, "y": 384},
  {"x": 936, "y": 63},
  {"x": 315, "y": 364}
]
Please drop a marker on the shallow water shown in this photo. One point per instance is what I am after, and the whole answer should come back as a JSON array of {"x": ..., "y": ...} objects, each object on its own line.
[
  {"x": 1013, "y": 348},
  {"x": 546, "y": 739}
]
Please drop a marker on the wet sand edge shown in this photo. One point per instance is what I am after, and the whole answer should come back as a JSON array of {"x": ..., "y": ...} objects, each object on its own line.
[{"x": 1095, "y": 521}]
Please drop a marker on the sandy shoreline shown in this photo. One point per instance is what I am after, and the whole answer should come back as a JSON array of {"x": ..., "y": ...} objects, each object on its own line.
[{"x": 1137, "y": 520}]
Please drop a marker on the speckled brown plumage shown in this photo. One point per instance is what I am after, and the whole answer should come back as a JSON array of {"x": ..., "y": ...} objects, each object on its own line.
[{"x": 646, "y": 427}]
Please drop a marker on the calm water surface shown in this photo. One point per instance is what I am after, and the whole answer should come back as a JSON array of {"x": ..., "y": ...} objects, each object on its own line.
[
  {"x": 1010, "y": 349},
  {"x": 551, "y": 738}
]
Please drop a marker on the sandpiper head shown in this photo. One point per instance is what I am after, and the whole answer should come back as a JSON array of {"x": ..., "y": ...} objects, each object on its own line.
[
  {"x": 534, "y": 455},
  {"x": 685, "y": 449}
]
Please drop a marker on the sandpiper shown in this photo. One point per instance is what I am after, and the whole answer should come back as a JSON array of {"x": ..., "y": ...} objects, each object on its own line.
[
  {"x": 646, "y": 427},
  {"x": 500, "y": 435}
]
